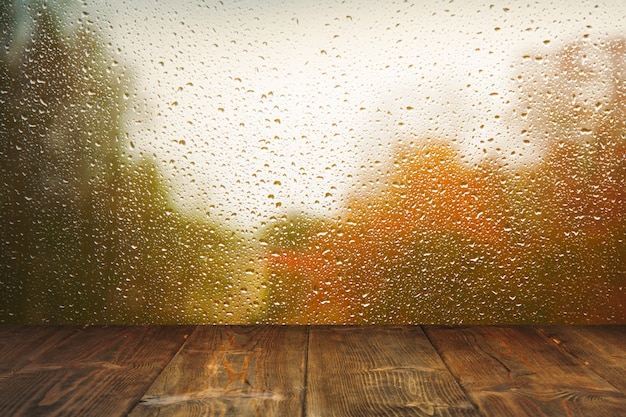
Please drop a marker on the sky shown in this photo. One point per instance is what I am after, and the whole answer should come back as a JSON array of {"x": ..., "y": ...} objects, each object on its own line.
[{"x": 259, "y": 108}]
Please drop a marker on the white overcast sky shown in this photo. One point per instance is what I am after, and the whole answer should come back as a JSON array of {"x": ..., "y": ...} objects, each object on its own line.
[{"x": 261, "y": 107}]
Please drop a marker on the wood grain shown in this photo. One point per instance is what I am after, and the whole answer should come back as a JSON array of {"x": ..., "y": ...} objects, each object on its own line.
[
  {"x": 20, "y": 345},
  {"x": 600, "y": 348},
  {"x": 93, "y": 371},
  {"x": 516, "y": 371},
  {"x": 325, "y": 371},
  {"x": 232, "y": 371},
  {"x": 379, "y": 371}
]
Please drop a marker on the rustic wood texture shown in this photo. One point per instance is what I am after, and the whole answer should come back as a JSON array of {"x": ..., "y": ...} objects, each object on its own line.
[
  {"x": 93, "y": 371},
  {"x": 232, "y": 371},
  {"x": 600, "y": 348},
  {"x": 20, "y": 345},
  {"x": 379, "y": 371},
  {"x": 516, "y": 371},
  {"x": 314, "y": 371}
]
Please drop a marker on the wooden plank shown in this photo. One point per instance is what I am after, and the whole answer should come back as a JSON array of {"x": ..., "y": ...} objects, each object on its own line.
[
  {"x": 379, "y": 371},
  {"x": 512, "y": 370},
  {"x": 95, "y": 371},
  {"x": 600, "y": 348},
  {"x": 22, "y": 344},
  {"x": 232, "y": 371}
]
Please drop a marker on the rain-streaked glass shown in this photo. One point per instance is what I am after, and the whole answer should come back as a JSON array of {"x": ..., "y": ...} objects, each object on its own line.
[{"x": 312, "y": 162}]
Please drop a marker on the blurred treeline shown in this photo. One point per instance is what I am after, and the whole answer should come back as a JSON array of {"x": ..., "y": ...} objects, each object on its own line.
[
  {"x": 88, "y": 232},
  {"x": 447, "y": 241}
]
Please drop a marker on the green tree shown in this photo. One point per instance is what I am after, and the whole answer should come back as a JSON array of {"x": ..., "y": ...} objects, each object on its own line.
[
  {"x": 87, "y": 233},
  {"x": 60, "y": 128}
]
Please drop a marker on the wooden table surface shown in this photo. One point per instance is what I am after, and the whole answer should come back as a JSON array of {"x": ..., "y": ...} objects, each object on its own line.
[{"x": 312, "y": 371}]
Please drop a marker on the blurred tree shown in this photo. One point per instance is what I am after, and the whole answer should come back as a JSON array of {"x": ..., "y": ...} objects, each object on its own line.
[
  {"x": 302, "y": 280},
  {"x": 574, "y": 236},
  {"x": 443, "y": 242},
  {"x": 439, "y": 231},
  {"x": 60, "y": 125},
  {"x": 422, "y": 250},
  {"x": 87, "y": 233}
]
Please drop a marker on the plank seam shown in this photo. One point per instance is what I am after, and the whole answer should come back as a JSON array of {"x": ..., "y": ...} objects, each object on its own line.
[
  {"x": 454, "y": 375},
  {"x": 565, "y": 350},
  {"x": 149, "y": 385}
]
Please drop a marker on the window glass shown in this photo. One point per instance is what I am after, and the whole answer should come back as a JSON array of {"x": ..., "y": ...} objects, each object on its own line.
[{"x": 312, "y": 162}]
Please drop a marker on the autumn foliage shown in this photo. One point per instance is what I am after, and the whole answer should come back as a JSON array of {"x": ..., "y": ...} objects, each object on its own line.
[
  {"x": 344, "y": 269},
  {"x": 89, "y": 232},
  {"x": 447, "y": 242}
]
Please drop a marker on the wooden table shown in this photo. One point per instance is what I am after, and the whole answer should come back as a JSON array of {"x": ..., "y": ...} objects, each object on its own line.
[{"x": 312, "y": 371}]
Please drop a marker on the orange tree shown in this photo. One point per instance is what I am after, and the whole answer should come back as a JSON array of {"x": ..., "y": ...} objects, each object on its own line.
[
  {"x": 446, "y": 242},
  {"x": 406, "y": 254},
  {"x": 438, "y": 233}
]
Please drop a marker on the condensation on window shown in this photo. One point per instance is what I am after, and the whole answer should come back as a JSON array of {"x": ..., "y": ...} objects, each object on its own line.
[{"x": 312, "y": 162}]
